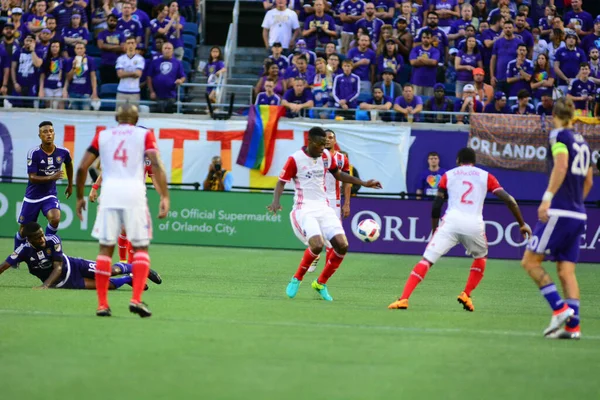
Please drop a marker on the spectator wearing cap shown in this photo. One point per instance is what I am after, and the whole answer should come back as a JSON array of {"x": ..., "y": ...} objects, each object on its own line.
[
  {"x": 301, "y": 48},
  {"x": 579, "y": 20},
  {"x": 523, "y": 106},
  {"x": 377, "y": 101},
  {"x": 523, "y": 33},
  {"x": 9, "y": 42},
  {"x": 465, "y": 63},
  {"x": 43, "y": 43},
  {"x": 458, "y": 27},
  {"x": 408, "y": 105},
  {"x": 519, "y": 72},
  {"x": 404, "y": 37},
  {"x": 300, "y": 69},
  {"x": 504, "y": 51},
  {"x": 424, "y": 59},
  {"x": 498, "y": 106},
  {"x": 165, "y": 75},
  {"x": 350, "y": 12},
  {"x": 567, "y": 61},
  {"x": 389, "y": 59},
  {"x": 542, "y": 80},
  {"x": 129, "y": 26},
  {"x": 25, "y": 70},
  {"x": 36, "y": 21},
  {"x": 467, "y": 104},
  {"x": 16, "y": 18},
  {"x": 593, "y": 39},
  {"x": 346, "y": 87},
  {"x": 388, "y": 85},
  {"x": 483, "y": 91},
  {"x": 80, "y": 82},
  {"x": 73, "y": 34},
  {"x": 582, "y": 89},
  {"x": 438, "y": 103},
  {"x": 278, "y": 58},
  {"x": 280, "y": 25},
  {"x": 110, "y": 42},
  {"x": 64, "y": 11},
  {"x": 370, "y": 23},
  {"x": 319, "y": 28},
  {"x": 546, "y": 106},
  {"x": 298, "y": 98},
  {"x": 363, "y": 62}
]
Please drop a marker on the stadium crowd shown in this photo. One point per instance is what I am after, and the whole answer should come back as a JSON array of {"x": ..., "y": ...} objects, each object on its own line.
[{"x": 492, "y": 56}]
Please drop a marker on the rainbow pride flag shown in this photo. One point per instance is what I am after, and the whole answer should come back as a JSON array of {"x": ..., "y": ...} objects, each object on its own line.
[{"x": 258, "y": 144}]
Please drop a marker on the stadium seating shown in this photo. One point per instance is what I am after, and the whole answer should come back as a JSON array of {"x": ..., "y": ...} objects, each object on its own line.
[
  {"x": 190, "y": 28},
  {"x": 189, "y": 41},
  {"x": 108, "y": 91}
]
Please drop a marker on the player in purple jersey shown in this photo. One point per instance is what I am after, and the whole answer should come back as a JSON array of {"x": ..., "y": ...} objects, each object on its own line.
[
  {"x": 45, "y": 260},
  {"x": 44, "y": 167},
  {"x": 561, "y": 222}
]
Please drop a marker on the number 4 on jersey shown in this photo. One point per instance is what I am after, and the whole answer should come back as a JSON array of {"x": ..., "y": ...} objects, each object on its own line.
[{"x": 121, "y": 153}]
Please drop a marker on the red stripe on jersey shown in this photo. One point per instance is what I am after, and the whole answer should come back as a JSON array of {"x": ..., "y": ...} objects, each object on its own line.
[{"x": 150, "y": 141}]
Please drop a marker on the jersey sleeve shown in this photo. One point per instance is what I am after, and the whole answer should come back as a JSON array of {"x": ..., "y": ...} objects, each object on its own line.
[
  {"x": 32, "y": 162},
  {"x": 289, "y": 170},
  {"x": 150, "y": 142},
  {"x": 492, "y": 184},
  {"x": 17, "y": 256},
  {"x": 346, "y": 166},
  {"x": 95, "y": 145},
  {"x": 443, "y": 182}
]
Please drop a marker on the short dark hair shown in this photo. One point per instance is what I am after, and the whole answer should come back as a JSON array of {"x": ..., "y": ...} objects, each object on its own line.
[
  {"x": 433, "y": 154},
  {"x": 131, "y": 38},
  {"x": 112, "y": 16},
  {"x": 522, "y": 14},
  {"x": 583, "y": 64},
  {"x": 31, "y": 228},
  {"x": 495, "y": 18},
  {"x": 45, "y": 123},
  {"x": 433, "y": 13},
  {"x": 426, "y": 32},
  {"x": 331, "y": 131},
  {"x": 466, "y": 156},
  {"x": 302, "y": 57},
  {"x": 509, "y": 21},
  {"x": 522, "y": 45},
  {"x": 316, "y": 132},
  {"x": 523, "y": 93}
]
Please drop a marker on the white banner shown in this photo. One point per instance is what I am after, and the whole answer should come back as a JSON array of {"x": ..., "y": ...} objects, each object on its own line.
[{"x": 378, "y": 151}]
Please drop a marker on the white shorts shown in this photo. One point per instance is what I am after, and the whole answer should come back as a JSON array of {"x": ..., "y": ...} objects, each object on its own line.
[
  {"x": 323, "y": 222},
  {"x": 53, "y": 93},
  {"x": 449, "y": 234},
  {"x": 136, "y": 221},
  {"x": 335, "y": 206}
]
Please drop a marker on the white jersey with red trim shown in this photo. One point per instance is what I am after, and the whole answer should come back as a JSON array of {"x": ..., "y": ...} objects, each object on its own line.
[
  {"x": 308, "y": 174},
  {"x": 122, "y": 155},
  {"x": 332, "y": 185},
  {"x": 467, "y": 187}
]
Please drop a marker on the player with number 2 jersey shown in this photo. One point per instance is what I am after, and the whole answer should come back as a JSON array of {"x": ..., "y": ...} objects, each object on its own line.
[{"x": 466, "y": 187}]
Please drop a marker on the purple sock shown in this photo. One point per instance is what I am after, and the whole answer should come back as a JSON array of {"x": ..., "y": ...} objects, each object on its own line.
[
  {"x": 50, "y": 230},
  {"x": 123, "y": 280},
  {"x": 552, "y": 296},
  {"x": 574, "y": 320},
  {"x": 125, "y": 268}
]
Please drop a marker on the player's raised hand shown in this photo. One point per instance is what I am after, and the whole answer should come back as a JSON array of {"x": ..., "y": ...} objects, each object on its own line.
[
  {"x": 274, "y": 207},
  {"x": 372, "y": 183},
  {"x": 163, "y": 207},
  {"x": 525, "y": 231},
  {"x": 79, "y": 208},
  {"x": 69, "y": 191}
]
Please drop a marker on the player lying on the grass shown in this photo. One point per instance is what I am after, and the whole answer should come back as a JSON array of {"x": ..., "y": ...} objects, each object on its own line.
[
  {"x": 561, "y": 222},
  {"x": 45, "y": 259},
  {"x": 466, "y": 187},
  {"x": 312, "y": 219}
]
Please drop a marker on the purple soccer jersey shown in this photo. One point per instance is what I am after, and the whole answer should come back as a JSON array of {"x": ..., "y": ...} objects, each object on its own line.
[
  {"x": 164, "y": 73},
  {"x": 580, "y": 88},
  {"x": 63, "y": 14},
  {"x": 372, "y": 27},
  {"x": 326, "y": 21},
  {"x": 264, "y": 100},
  {"x": 74, "y": 33},
  {"x": 569, "y": 62},
  {"x": 351, "y": 8},
  {"x": 424, "y": 76},
  {"x": 115, "y": 38},
  {"x": 401, "y": 101},
  {"x": 447, "y": 5},
  {"x": 130, "y": 28},
  {"x": 513, "y": 71},
  {"x": 363, "y": 71}
]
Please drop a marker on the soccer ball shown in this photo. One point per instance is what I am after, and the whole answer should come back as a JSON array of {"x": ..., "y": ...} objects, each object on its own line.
[{"x": 367, "y": 230}]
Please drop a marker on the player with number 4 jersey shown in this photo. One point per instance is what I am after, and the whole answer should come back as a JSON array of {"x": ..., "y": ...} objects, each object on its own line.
[
  {"x": 466, "y": 187},
  {"x": 561, "y": 222}
]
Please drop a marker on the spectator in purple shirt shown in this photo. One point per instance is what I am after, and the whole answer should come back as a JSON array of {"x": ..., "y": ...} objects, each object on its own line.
[
  {"x": 385, "y": 10},
  {"x": 498, "y": 106},
  {"x": 278, "y": 58},
  {"x": 592, "y": 40},
  {"x": 389, "y": 59},
  {"x": 523, "y": 106},
  {"x": 80, "y": 82},
  {"x": 319, "y": 28},
  {"x": 439, "y": 40},
  {"x": 272, "y": 73},
  {"x": 465, "y": 62},
  {"x": 301, "y": 69},
  {"x": 100, "y": 15},
  {"x": 408, "y": 105},
  {"x": 164, "y": 77},
  {"x": 438, "y": 103},
  {"x": 370, "y": 23},
  {"x": 43, "y": 43},
  {"x": 176, "y": 36},
  {"x": 457, "y": 29},
  {"x": 346, "y": 87},
  {"x": 36, "y": 21},
  {"x": 364, "y": 61},
  {"x": 129, "y": 26},
  {"x": 5, "y": 61},
  {"x": 161, "y": 25},
  {"x": 519, "y": 72},
  {"x": 594, "y": 64},
  {"x": 567, "y": 61},
  {"x": 582, "y": 89},
  {"x": 424, "y": 60},
  {"x": 268, "y": 97},
  {"x": 542, "y": 80},
  {"x": 51, "y": 26},
  {"x": 446, "y": 10},
  {"x": 580, "y": 21},
  {"x": 214, "y": 69},
  {"x": 522, "y": 33},
  {"x": 429, "y": 179},
  {"x": 546, "y": 105},
  {"x": 504, "y": 51},
  {"x": 298, "y": 98},
  {"x": 73, "y": 34},
  {"x": 350, "y": 12},
  {"x": 110, "y": 42},
  {"x": 141, "y": 17},
  {"x": 377, "y": 102},
  {"x": 489, "y": 37},
  {"x": 64, "y": 11},
  {"x": 52, "y": 76},
  {"x": 25, "y": 70}
]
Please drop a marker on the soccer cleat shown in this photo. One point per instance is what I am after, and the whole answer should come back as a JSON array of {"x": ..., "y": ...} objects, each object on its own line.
[
  {"x": 400, "y": 304},
  {"x": 145, "y": 286},
  {"x": 154, "y": 277},
  {"x": 466, "y": 302},
  {"x": 559, "y": 318},
  {"x": 321, "y": 288},
  {"x": 140, "y": 309},
  {"x": 292, "y": 288},
  {"x": 313, "y": 266},
  {"x": 562, "y": 333},
  {"x": 103, "y": 312}
]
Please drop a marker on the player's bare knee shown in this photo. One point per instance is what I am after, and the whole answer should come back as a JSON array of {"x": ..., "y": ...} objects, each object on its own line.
[
  {"x": 54, "y": 220},
  {"x": 316, "y": 244}
]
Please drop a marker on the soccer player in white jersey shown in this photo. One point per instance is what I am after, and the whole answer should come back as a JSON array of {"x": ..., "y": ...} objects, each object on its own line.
[
  {"x": 466, "y": 187},
  {"x": 313, "y": 221},
  {"x": 123, "y": 200},
  {"x": 334, "y": 188}
]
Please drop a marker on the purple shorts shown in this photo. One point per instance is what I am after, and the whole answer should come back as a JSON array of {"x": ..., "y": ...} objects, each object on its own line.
[
  {"x": 76, "y": 270},
  {"x": 559, "y": 238},
  {"x": 31, "y": 211}
]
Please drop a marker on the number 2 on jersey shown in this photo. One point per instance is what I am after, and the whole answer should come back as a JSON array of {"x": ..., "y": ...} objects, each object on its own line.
[
  {"x": 463, "y": 198},
  {"x": 581, "y": 161},
  {"x": 121, "y": 154}
]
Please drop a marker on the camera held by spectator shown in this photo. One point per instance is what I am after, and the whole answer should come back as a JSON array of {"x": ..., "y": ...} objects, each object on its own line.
[{"x": 218, "y": 179}]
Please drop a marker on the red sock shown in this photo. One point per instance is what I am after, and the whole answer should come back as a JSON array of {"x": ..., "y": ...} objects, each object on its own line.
[
  {"x": 328, "y": 253},
  {"x": 307, "y": 259},
  {"x": 122, "y": 242},
  {"x": 130, "y": 253},
  {"x": 476, "y": 275},
  {"x": 416, "y": 276},
  {"x": 140, "y": 269},
  {"x": 333, "y": 262},
  {"x": 102, "y": 279}
]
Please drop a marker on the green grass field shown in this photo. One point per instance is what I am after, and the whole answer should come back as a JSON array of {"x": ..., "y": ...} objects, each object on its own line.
[{"x": 224, "y": 329}]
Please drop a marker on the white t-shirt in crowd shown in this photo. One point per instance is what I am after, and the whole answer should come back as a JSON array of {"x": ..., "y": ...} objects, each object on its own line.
[
  {"x": 281, "y": 25},
  {"x": 130, "y": 85}
]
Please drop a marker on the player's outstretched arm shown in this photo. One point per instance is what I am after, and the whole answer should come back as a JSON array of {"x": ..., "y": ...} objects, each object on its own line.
[
  {"x": 512, "y": 205},
  {"x": 275, "y": 206},
  {"x": 54, "y": 275},
  {"x": 69, "y": 168},
  {"x": 4, "y": 267},
  {"x": 159, "y": 180},
  {"x": 88, "y": 159},
  {"x": 344, "y": 177},
  {"x": 436, "y": 210}
]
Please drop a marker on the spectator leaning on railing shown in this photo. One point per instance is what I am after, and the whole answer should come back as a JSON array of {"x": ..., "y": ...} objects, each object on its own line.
[
  {"x": 298, "y": 98},
  {"x": 468, "y": 104},
  {"x": 164, "y": 76},
  {"x": 438, "y": 103},
  {"x": 377, "y": 102},
  {"x": 408, "y": 105},
  {"x": 498, "y": 106},
  {"x": 523, "y": 106},
  {"x": 268, "y": 97}
]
